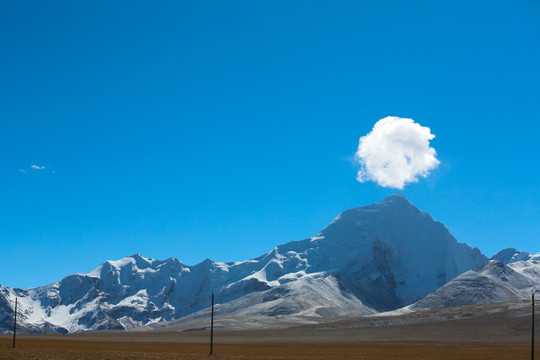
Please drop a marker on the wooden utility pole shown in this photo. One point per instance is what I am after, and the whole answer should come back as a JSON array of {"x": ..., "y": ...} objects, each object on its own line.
[
  {"x": 212, "y": 329},
  {"x": 15, "y": 323},
  {"x": 532, "y": 330}
]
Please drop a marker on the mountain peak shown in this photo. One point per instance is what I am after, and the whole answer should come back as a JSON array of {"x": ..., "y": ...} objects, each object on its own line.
[
  {"x": 397, "y": 196},
  {"x": 511, "y": 255},
  {"x": 395, "y": 205},
  {"x": 396, "y": 199}
]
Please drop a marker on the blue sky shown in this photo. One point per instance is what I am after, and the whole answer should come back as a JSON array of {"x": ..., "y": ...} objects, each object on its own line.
[{"x": 222, "y": 129}]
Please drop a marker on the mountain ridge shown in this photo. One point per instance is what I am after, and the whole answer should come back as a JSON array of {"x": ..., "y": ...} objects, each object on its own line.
[
  {"x": 493, "y": 282},
  {"x": 370, "y": 259}
]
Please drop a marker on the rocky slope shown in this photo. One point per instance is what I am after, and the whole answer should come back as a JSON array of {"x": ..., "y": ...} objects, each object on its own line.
[{"x": 492, "y": 283}]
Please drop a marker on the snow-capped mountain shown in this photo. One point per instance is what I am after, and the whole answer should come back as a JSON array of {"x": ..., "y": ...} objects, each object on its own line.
[
  {"x": 369, "y": 259},
  {"x": 493, "y": 282},
  {"x": 511, "y": 255}
]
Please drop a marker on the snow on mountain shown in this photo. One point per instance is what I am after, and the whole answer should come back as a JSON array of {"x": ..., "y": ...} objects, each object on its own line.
[
  {"x": 493, "y": 282},
  {"x": 510, "y": 255},
  {"x": 369, "y": 259},
  {"x": 310, "y": 296},
  {"x": 392, "y": 247}
]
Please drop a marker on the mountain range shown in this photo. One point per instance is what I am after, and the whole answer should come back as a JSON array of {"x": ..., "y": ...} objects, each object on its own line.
[{"x": 371, "y": 259}]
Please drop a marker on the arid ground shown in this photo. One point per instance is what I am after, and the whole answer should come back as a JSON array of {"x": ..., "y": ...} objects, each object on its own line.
[
  {"x": 115, "y": 346},
  {"x": 70, "y": 348}
]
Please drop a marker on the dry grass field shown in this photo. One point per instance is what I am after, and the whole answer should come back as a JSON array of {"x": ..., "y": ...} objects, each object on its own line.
[
  {"x": 65, "y": 347},
  {"x": 285, "y": 344}
]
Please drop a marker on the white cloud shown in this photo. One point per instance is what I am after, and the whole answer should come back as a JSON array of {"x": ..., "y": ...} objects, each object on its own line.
[
  {"x": 35, "y": 168},
  {"x": 396, "y": 152}
]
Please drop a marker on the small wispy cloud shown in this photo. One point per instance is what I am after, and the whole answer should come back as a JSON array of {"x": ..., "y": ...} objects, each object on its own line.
[
  {"x": 35, "y": 168},
  {"x": 396, "y": 152}
]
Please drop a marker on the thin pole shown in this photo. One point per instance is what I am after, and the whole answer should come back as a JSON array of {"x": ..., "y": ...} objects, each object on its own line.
[
  {"x": 212, "y": 329},
  {"x": 532, "y": 332},
  {"x": 15, "y": 323}
]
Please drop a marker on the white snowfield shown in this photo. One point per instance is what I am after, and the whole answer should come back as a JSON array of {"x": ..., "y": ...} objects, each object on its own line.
[{"x": 371, "y": 259}]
